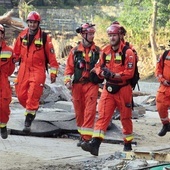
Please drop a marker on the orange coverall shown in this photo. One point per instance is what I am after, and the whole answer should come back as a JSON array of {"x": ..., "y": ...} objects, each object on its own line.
[
  {"x": 163, "y": 93},
  {"x": 84, "y": 95},
  {"x": 122, "y": 99},
  {"x": 6, "y": 69},
  {"x": 31, "y": 75}
]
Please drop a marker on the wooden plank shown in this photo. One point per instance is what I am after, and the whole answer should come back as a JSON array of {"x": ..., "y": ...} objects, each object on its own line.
[{"x": 158, "y": 156}]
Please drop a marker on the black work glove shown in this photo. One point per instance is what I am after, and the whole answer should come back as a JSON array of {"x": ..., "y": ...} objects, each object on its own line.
[{"x": 107, "y": 73}]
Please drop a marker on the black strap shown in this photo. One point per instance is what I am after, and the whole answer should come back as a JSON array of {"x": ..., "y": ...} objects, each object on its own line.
[
  {"x": 124, "y": 53},
  {"x": 164, "y": 56},
  {"x": 44, "y": 38}
]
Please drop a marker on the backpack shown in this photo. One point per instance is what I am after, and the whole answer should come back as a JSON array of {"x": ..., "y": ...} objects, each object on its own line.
[
  {"x": 44, "y": 39},
  {"x": 164, "y": 55},
  {"x": 134, "y": 80}
]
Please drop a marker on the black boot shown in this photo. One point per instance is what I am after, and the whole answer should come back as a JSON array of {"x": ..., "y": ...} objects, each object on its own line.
[
  {"x": 81, "y": 140},
  {"x": 92, "y": 146},
  {"x": 4, "y": 133},
  {"x": 127, "y": 147},
  {"x": 28, "y": 121},
  {"x": 164, "y": 130}
]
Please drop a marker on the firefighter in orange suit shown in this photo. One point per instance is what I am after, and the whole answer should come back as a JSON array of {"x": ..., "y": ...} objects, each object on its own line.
[
  {"x": 6, "y": 69},
  {"x": 163, "y": 93},
  {"x": 82, "y": 81},
  {"x": 117, "y": 92},
  {"x": 32, "y": 53}
]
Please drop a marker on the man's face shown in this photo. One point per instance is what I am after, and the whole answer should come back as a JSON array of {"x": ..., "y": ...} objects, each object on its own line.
[
  {"x": 33, "y": 25},
  {"x": 89, "y": 36},
  {"x": 114, "y": 39}
]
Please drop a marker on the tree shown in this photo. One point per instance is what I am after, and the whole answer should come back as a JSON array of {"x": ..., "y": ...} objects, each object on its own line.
[
  {"x": 152, "y": 33},
  {"x": 145, "y": 17},
  {"x": 7, "y": 20},
  {"x": 25, "y": 8}
]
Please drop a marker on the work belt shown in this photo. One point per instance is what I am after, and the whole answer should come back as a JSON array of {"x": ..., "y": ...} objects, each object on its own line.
[{"x": 113, "y": 88}]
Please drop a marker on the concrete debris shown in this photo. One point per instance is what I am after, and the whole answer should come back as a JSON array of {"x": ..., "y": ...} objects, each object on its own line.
[
  {"x": 56, "y": 119},
  {"x": 150, "y": 101},
  {"x": 137, "y": 163},
  {"x": 138, "y": 111}
]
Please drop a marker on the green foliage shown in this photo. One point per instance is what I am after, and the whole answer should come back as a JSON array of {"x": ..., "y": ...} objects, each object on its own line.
[
  {"x": 2, "y": 10},
  {"x": 136, "y": 16},
  {"x": 101, "y": 26},
  {"x": 25, "y": 8},
  {"x": 66, "y": 3},
  {"x": 14, "y": 2},
  {"x": 163, "y": 13}
]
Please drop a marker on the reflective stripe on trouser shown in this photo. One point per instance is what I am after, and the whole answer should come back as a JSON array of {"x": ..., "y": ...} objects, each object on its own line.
[
  {"x": 79, "y": 129},
  {"x": 107, "y": 104},
  {"x": 162, "y": 104},
  {"x": 86, "y": 131},
  {"x": 85, "y": 107},
  {"x": 2, "y": 125},
  {"x": 99, "y": 134},
  {"x": 128, "y": 138},
  {"x": 33, "y": 112}
]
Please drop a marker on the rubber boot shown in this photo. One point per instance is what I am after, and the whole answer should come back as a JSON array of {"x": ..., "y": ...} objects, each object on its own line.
[
  {"x": 92, "y": 146},
  {"x": 127, "y": 147},
  {"x": 28, "y": 121},
  {"x": 164, "y": 130},
  {"x": 81, "y": 140},
  {"x": 4, "y": 133}
]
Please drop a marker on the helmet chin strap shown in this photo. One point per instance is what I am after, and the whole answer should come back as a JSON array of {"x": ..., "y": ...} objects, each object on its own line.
[
  {"x": 87, "y": 40},
  {"x": 33, "y": 32}
]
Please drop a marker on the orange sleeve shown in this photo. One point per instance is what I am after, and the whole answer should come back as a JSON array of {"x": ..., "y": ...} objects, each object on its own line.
[
  {"x": 69, "y": 69},
  {"x": 100, "y": 64},
  {"x": 12, "y": 66},
  {"x": 49, "y": 49},
  {"x": 17, "y": 48},
  {"x": 159, "y": 69}
]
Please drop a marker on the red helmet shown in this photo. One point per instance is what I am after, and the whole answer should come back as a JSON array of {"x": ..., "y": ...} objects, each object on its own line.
[
  {"x": 33, "y": 16},
  {"x": 115, "y": 23},
  {"x": 2, "y": 28},
  {"x": 114, "y": 29},
  {"x": 88, "y": 28},
  {"x": 122, "y": 29}
]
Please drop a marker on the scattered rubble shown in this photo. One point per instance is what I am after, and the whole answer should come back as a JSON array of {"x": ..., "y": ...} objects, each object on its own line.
[{"x": 56, "y": 101}]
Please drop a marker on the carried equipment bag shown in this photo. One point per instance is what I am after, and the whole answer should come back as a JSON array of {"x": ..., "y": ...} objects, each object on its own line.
[{"x": 134, "y": 80}]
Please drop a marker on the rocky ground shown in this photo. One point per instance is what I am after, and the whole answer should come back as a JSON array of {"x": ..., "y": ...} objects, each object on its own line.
[
  {"x": 39, "y": 153},
  {"x": 30, "y": 153}
]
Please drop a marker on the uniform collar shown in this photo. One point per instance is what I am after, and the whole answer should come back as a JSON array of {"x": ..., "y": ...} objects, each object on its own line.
[{"x": 82, "y": 48}]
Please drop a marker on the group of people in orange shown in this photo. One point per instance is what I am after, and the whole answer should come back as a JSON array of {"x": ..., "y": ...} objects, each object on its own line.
[{"x": 87, "y": 66}]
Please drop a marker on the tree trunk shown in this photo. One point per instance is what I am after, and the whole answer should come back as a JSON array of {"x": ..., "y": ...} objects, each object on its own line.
[
  {"x": 154, "y": 47},
  {"x": 6, "y": 19}
]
